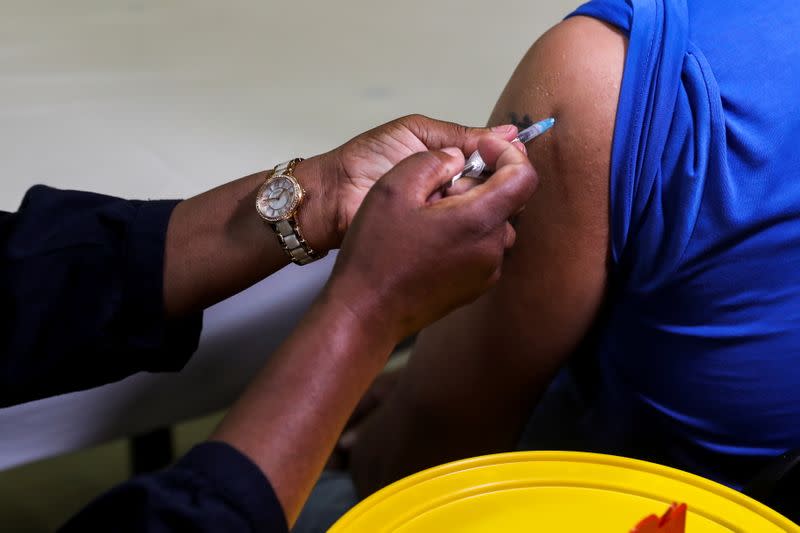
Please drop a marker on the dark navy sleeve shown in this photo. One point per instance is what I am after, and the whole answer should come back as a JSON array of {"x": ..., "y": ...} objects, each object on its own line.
[
  {"x": 81, "y": 290},
  {"x": 213, "y": 488}
]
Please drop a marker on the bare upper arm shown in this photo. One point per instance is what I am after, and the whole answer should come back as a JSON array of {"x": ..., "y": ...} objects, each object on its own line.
[
  {"x": 474, "y": 375},
  {"x": 554, "y": 281}
]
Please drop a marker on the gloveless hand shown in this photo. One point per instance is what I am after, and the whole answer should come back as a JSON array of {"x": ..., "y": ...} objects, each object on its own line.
[
  {"x": 355, "y": 166},
  {"x": 406, "y": 261}
]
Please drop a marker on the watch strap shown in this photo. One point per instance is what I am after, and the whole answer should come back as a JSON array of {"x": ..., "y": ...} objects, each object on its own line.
[
  {"x": 293, "y": 243},
  {"x": 287, "y": 167},
  {"x": 288, "y": 231}
]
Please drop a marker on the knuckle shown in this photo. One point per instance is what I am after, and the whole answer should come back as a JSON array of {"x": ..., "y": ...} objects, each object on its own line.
[
  {"x": 522, "y": 170},
  {"x": 478, "y": 227},
  {"x": 459, "y": 130},
  {"x": 523, "y": 186},
  {"x": 414, "y": 119},
  {"x": 430, "y": 163},
  {"x": 533, "y": 179},
  {"x": 385, "y": 190},
  {"x": 493, "y": 231},
  {"x": 525, "y": 168},
  {"x": 528, "y": 186}
]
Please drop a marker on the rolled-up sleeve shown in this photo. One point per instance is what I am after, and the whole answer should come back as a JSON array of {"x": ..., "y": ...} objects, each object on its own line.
[
  {"x": 81, "y": 287},
  {"x": 213, "y": 488}
]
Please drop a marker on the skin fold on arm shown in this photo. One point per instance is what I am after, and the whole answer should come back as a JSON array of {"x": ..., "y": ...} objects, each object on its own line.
[{"x": 476, "y": 374}]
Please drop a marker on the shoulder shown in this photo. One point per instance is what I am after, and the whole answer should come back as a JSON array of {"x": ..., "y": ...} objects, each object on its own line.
[{"x": 573, "y": 73}]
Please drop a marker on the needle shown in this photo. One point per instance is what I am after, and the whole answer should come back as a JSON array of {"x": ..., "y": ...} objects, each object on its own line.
[{"x": 475, "y": 165}]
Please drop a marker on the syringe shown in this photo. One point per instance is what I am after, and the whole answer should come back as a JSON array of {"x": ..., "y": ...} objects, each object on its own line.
[{"x": 475, "y": 164}]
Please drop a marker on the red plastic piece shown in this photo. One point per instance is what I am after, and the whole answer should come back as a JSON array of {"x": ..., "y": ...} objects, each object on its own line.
[{"x": 673, "y": 521}]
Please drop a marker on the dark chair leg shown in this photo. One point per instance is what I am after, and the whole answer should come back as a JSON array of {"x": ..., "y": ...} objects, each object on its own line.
[
  {"x": 778, "y": 485},
  {"x": 151, "y": 451}
]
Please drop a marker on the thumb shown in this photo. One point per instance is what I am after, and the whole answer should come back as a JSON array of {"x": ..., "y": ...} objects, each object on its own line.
[
  {"x": 509, "y": 188},
  {"x": 422, "y": 174}
]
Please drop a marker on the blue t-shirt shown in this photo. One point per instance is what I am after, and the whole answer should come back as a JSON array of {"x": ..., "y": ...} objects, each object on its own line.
[{"x": 700, "y": 356}]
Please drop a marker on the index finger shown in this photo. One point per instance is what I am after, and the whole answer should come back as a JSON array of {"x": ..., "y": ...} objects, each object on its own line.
[{"x": 438, "y": 134}]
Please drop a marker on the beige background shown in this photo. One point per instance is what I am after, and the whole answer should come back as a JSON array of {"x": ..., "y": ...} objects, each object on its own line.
[{"x": 166, "y": 98}]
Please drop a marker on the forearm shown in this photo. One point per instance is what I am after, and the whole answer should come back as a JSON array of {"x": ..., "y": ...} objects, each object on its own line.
[
  {"x": 217, "y": 245},
  {"x": 288, "y": 420},
  {"x": 458, "y": 397}
]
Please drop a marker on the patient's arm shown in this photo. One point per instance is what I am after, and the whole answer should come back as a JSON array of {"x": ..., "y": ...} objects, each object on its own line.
[{"x": 476, "y": 374}]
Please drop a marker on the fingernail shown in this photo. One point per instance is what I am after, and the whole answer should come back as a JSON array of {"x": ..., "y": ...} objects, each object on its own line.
[{"x": 505, "y": 128}]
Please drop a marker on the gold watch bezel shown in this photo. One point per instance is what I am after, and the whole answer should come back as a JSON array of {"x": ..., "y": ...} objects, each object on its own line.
[{"x": 297, "y": 200}]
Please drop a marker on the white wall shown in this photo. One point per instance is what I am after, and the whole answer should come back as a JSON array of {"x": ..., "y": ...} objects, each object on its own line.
[{"x": 166, "y": 98}]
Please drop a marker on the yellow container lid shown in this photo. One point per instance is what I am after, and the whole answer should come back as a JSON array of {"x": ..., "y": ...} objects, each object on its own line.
[{"x": 554, "y": 492}]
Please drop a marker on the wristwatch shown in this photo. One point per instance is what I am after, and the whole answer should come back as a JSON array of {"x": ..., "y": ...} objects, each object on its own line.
[{"x": 277, "y": 202}]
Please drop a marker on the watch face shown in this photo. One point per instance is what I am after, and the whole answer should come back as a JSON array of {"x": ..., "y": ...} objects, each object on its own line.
[{"x": 278, "y": 198}]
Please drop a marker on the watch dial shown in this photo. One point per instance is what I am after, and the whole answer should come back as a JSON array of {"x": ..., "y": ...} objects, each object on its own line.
[{"x": 277, "y": 199}]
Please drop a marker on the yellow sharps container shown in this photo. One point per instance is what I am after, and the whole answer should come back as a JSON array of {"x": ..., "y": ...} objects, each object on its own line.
[{"x": 554, "y": 492}]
